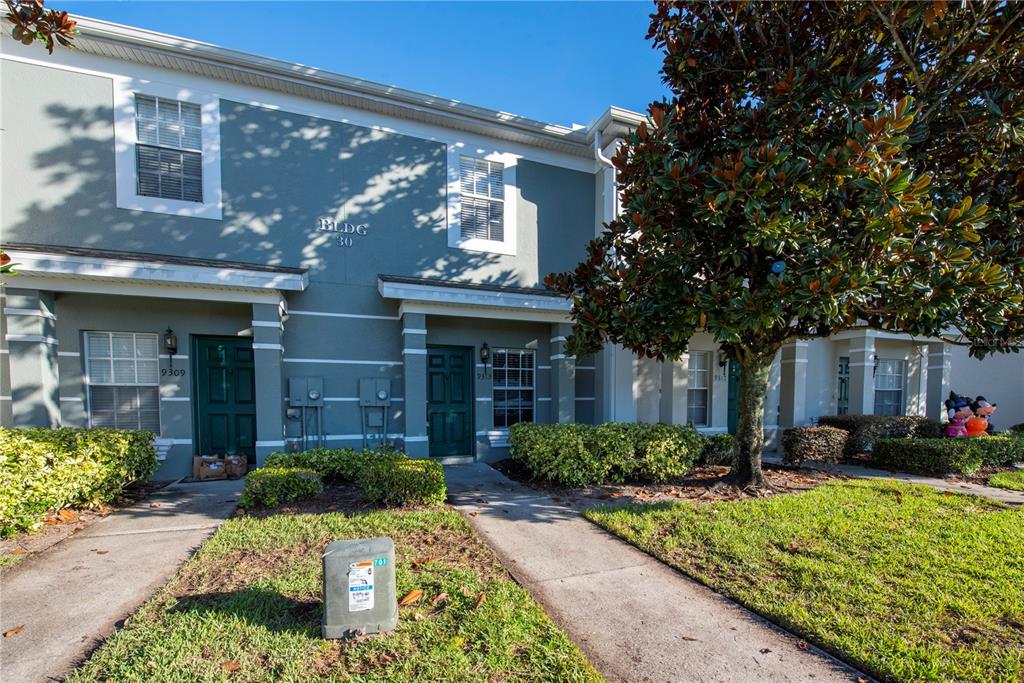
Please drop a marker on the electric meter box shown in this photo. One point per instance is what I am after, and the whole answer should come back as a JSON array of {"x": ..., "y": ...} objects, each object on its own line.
[
  {"x": 306, "y": 391},
  {"x": 359, "y": 587}
]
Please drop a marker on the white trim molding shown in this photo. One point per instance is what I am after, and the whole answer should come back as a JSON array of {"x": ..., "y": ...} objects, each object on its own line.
[
  {"x": 472, "y": 302},
  {"x": 102, "y": 275},
  {"x": 32, "y": 312},
  {"x": 257, "y": 346},
  {"x": 125, "y": 140},
  {"x": 33, "y": 338}
]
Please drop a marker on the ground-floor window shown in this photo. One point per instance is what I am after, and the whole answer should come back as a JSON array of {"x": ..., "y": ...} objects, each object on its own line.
[
  {"x": 698, "y": 388},
  {"x": 890, "y": 378},
  {"x": 124, "y": 380},
  {"x": 513, "y": 386}
]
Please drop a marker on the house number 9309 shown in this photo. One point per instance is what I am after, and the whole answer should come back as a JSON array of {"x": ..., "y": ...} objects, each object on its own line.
[{"x": 172, "y": 372}]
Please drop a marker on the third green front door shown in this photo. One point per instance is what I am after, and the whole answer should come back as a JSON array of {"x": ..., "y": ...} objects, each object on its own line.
[
  {"x": 225, "y": 396},
  {"x": 450, "y": 400}
]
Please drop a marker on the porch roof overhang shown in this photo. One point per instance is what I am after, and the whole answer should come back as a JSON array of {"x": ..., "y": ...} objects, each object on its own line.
[
  {"x": 94, "y": 271},
  {"x": 474, "y": 300}
]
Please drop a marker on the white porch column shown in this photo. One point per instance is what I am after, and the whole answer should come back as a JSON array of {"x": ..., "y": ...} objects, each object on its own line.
[
  {"x": 793, "y": 385},
  {"x": 268, "y": 352},
  {"x": 414, "y": 378},
  {"x": 862, "y": 374},
  {"x": 674, "y": 385},
  {"x": 31, "y": 336},
  {"x": 563, "y": 376},
  {"x": 940, "y": 364}
]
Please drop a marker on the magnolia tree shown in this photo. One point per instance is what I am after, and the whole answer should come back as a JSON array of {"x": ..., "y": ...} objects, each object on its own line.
[
  {"x": 31, "y": 22},
  {"x": 819, "y": 166}
]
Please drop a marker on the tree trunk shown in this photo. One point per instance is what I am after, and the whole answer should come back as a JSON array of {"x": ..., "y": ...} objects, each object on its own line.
[{"x": 755, "y": 367}]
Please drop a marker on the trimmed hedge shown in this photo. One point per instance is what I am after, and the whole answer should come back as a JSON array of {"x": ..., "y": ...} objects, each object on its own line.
[
  {"x": 864, "y": 430},
  {"x": 1017, "y": 428},
  {"x": 933, "y": 456},
  {"x": 404, "y": 481},
  {"x": 273, "y": 486},
  {"x": 386, "y": 476},
  {"x": 614, "y": 452},
  {"x": 49, "y": 469},
  {"x": 817, "y": 444},
  {"x": 718, "y": 449},
  {"x": 337, "y": 465}
]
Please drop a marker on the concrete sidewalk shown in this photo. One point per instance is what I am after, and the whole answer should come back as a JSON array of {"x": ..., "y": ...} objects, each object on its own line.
[
  {"x": 636, "y": 618},
  {"x": 990, "y": 492},
  {"x": 71, "y": 596}
]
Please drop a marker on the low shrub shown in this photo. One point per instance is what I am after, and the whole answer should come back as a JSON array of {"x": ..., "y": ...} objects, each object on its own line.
[
  {"x": 817, "y": 444},
  {"x": 864, "y": 430},
  {"x": 337, "y": 465},
  {"x": 273, "y": 486},
  {"x": 664, "y": 451},
  {"x": 1017, "y": 428},
  {"x": 582, "y": 455},
  {"x": 718, "y": 449},
  {"x": 1000, "y": 450},
  {"x": 403, "y": 481},
  {"x": 49, "y": 469},
  {"x": 933, "y": 456}
]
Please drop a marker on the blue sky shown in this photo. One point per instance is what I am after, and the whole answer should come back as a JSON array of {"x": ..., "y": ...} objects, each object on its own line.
[{"x": 561, "y": 62}]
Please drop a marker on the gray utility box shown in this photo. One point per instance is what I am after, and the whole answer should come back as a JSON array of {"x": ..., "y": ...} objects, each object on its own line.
[{"x": 359, "y": 587}]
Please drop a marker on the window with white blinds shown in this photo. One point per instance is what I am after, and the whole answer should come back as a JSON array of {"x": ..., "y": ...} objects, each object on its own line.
[
  {"x": 698, "y": 388},
  {"x": 169, "y": 148},
  {"x": 513, "y": 386},
  {"x": 890, "y": 378},
  {"x": 482, "y": 190},
  {"x": 124, "y": 380}
]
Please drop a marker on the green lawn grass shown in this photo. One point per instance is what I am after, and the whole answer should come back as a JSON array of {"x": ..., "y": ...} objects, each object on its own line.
[
  {"x": 905, "y": 582},
  {"x": 1013, "y": 480},
  {"x": 247, "y": 607}
]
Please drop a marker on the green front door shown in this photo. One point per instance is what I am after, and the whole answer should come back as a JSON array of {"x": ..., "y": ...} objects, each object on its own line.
[
  {"x": 450, "y": 400},
  {"x": 225, "y": 396},
  {"x": 733, "y": 412}
]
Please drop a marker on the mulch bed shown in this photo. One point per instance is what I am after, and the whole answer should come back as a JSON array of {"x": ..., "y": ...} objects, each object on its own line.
[
  {"x": 702, "y": 483},
  {"x": 67, "y": 522}
]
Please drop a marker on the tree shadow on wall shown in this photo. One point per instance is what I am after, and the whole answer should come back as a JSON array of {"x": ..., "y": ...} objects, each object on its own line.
[{"x": 281, "y": 173}]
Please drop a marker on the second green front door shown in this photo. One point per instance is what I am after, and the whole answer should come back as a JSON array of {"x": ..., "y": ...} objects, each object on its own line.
[
  {"x": 733, "y": 411},
  {"x": 225, "y": 396},
  {"x": 450, "y": 400}
]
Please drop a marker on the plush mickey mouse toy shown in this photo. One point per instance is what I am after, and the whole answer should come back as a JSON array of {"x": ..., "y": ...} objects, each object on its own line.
[
  {"x": 958, "y": 410},
  {"x": 984, "y": 410}
]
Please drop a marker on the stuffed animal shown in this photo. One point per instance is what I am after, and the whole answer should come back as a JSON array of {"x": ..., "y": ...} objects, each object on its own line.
[
  {"x": 984, "y": 410},
  {"x": 958, "y": 410}
]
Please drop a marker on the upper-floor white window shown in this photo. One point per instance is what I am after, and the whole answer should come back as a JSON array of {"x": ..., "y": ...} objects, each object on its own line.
[
  {"x": 482, "y": 186},
  {"x": 481, "y": 201},
  {"x": 167, "y": 149}
]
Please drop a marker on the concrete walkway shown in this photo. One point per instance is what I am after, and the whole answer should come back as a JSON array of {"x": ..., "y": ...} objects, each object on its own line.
[
  {"x": 990, "y": 492},
  {"x": 71, "y": 596},
  {"x": 635, "y": 618}
]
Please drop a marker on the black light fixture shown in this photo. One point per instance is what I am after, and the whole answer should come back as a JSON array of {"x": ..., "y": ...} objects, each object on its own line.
[
  {"x": 485, "y": 356},
  {"x": 723, "y": 358},
  {"x": 171, "y": 345}
]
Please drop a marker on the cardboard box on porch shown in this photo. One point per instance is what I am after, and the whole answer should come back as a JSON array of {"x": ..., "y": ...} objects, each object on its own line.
[
  {"x": 207, "y": 467},
  {"x": 236, "y": 466}
]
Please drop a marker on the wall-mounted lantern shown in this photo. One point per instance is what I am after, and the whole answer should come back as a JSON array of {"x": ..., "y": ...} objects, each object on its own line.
[
  {"x": 170, "y": 345},
  {"x": 485, "y": 356},
  {"x": 723, "y": 358}
]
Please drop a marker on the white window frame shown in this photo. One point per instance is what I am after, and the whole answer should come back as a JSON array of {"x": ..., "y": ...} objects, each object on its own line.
[
  {"x": 89, "y": 382},
  {"x": 902, "y": 389},
  {"x": 708, "y": 380},
  {"x": 532, "y": 387},
  {"x": 455, "y": 239},
  {"x": 125, "y": 139}
]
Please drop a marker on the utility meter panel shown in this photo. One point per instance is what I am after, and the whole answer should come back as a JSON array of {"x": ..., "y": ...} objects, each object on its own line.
[
  {"x": 375, "y": 392},
  {"x": 359, "y": 587},
  {"x": 306, "y": 391}
]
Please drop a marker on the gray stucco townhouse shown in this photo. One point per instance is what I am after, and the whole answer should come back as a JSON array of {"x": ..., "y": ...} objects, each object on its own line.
[{"x": 244, "y": 255}]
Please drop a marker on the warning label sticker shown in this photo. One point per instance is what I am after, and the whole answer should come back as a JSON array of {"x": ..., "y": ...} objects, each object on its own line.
[{"x": 360, "y": 586}]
